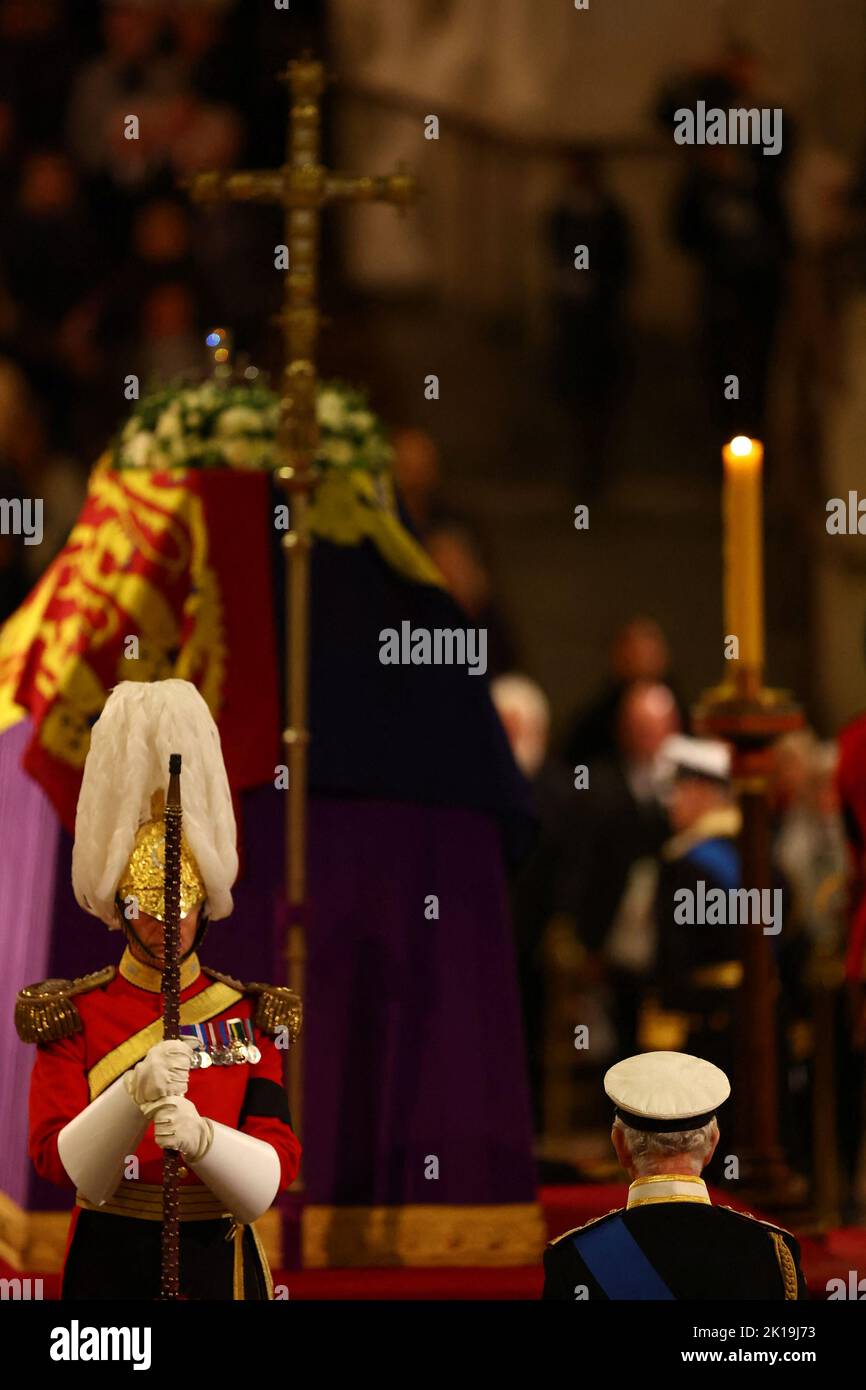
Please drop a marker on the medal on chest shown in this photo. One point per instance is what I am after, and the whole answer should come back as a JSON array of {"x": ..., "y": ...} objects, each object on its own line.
[{"x": 223, "y": 1043}]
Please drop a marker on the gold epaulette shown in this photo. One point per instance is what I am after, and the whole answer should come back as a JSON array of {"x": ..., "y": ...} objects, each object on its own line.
[
  {"x": 278, "y": 1007},
  {"x": 614, "y": 1211},
  {"x": 771, "y": 1225},
  {"x": 47, "y": 1012}
]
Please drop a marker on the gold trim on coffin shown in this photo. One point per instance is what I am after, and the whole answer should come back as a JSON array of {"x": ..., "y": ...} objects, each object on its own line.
[
  {"x": 35, "y": 1241},
  {"x": 422, "y": 1235}
]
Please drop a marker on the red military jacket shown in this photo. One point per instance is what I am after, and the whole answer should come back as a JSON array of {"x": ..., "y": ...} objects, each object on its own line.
[{"x": 121, "y": 1018}]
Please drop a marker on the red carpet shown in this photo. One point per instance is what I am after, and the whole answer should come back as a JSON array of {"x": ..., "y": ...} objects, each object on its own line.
[{"x": 828, "y": 1257}]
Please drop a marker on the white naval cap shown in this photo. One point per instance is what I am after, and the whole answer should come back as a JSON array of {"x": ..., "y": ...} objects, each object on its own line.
[
  {"x": 666, "y": 1091},
  {"x": 696, "y": 757}
]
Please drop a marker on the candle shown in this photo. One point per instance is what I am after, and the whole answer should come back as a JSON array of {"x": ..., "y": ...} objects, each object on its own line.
[{"x": 744, "y": 550}]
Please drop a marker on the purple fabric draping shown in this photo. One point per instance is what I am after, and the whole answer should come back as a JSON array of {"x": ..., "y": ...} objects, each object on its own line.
[
  {"x": 413, "y": 1038},
  {"x": 28, "y": 846}
]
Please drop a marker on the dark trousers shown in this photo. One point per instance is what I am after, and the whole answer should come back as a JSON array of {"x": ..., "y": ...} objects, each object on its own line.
[{"x": 119, "y": 1257}]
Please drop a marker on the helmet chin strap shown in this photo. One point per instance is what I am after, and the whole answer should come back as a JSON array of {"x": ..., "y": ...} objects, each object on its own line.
[{"x": 131, "y": 934}]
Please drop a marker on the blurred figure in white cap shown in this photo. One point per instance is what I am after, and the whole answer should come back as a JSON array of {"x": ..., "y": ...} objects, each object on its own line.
[{"x": 697, "y": 965}]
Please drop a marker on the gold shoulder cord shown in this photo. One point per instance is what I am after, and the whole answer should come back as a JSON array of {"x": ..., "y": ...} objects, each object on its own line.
[
  {"x": 786, "y": 1266},
  {"x": 47, "y": 1012}
]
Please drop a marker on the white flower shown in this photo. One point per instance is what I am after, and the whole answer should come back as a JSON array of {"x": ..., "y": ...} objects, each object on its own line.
[
  {"x": 338, "y": 451},
  {"x": 160, "y": 458},
  {"x": 138, "y": 451},
  {"x": 169, "y": 425},
  {"x": 237, "y": 453},
  {"x": 360, "y": 420},
  {"x": 330, "y": 410},
  {"x": 239, "y": 419}
]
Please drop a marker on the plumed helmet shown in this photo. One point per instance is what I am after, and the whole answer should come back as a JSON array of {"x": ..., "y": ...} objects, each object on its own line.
[{"x": 119, "y": 827}]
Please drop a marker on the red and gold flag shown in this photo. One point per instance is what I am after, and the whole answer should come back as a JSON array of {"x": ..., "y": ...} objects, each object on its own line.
[{"x": 164, "y": 574}]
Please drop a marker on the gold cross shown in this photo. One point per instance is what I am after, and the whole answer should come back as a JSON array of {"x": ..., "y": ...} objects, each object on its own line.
[{"x": 302, "y": 187}]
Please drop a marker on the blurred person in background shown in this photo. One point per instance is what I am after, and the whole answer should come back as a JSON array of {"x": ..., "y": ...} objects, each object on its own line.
[
  {"x": 417, "y": 476},
  {"x": 698, "y": 963},
  {"x": 132, "y": 74},
  {"x": 809, "y": 845},
  {"x": 170, "y": 343},
  {"x": 544, "y": 887},
  {"x": 40, "y": 45},
  {"x": 588, "y": 308},
  {"x": 211, "y": 63},
  {"x": 49, "y": 256},
  {"x": 456, "y": 552},
  {"x": 623, "y": 822},
  {"x": 161, "y": 253},
  {"x": 639, "y": 652},
  {"x": 32, "y": 466},
  {"x": 730, "y": 214}
]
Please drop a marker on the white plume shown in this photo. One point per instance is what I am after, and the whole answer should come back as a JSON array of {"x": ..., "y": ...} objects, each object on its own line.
[{"x": 141, "y": 724}]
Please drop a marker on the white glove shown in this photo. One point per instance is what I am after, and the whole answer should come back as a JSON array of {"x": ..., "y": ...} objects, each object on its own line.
[
  {"x": 178, "y": 1125},
  {"x": 242, "y": 1171},
  {"x": 164, "y": 1071},
  {"x": 94, "y": 1145}
]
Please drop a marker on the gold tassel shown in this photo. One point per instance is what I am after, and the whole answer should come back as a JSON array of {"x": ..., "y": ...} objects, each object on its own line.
[
  {"x": 46, "y": 1012},
  {"x": 279, "y": 1008}
]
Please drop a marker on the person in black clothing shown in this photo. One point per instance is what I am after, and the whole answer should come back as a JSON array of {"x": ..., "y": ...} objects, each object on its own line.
[
  {"x": 670, "y": 1242},
  {"x": 544, "y": 886},
  {"x": 623, "y": 821},
  {"x": 730, "y": 214},
  {"x": 639, "y": 652},
  {"x": 588, "y": 306}
]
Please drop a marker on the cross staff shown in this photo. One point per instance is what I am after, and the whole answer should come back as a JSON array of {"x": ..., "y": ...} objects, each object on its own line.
[{"x": 302, "y": 187}]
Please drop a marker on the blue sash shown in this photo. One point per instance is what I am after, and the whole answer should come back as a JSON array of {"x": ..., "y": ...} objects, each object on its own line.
[{"x": 617, "y": 1263}]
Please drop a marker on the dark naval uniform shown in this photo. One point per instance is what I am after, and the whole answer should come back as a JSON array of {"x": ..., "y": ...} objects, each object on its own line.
[
  {"x": 674, "y": 1246},
  {"x": 88, "y": 1033}
]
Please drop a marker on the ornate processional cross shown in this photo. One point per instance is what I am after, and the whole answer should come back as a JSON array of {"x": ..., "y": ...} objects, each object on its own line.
[{"x": 302, "y": 187}]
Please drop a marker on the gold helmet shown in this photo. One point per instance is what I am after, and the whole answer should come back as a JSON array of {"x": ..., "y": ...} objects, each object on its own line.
[{"x": 144, "y": 876}]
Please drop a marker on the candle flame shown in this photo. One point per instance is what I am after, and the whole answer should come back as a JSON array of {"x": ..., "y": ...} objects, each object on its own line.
[{"x": 741, "y": 445}]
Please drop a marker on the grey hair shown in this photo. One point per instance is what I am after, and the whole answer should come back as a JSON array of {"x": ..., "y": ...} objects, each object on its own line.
[{"x": 646, "y": 1146}]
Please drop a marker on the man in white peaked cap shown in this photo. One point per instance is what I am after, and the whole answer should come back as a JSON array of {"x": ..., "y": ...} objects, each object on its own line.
[{"x": 670, "y": 1242}]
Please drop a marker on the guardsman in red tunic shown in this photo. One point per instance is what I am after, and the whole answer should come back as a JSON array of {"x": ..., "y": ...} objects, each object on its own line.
[{"x": 108, "y": 1093}]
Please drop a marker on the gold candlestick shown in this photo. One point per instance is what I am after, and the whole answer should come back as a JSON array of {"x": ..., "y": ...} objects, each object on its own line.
[{"x": 749, "y": 716}]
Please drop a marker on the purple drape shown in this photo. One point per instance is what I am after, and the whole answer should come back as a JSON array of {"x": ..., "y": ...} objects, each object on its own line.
[{"x": 28, "y": 850}]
